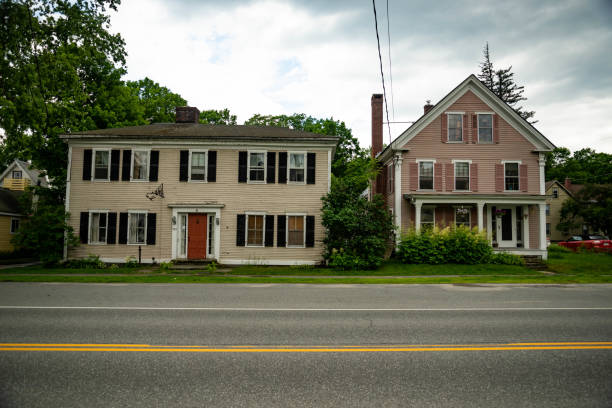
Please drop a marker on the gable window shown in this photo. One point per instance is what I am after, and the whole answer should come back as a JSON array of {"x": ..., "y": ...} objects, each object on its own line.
[
  {"x": 97, "y": 227},
  {"x": 548, "y": 228},
  {"x": 15, "y": 225},
  {"x": 455, "y": 127},
  {"x": 197, "y": 168},
  {"x": 257, "y": 167},
  {"x": 555, "y": 193},
  {"x": 427, "y": 218},
  {"x": 462, "y": 216},
  {"x": 462, "y": 175},
  {"x": 485, "y": 128},
  {"x": 101, "y": 164},
  {"x": 17, "y": 174},
  {"x": 511, "y": 176},
  {"x": 295, "y": 230},
  {"x": 140, "y": 164},
  {"x": 547, "y": 209},
  {"x": 296, "y": 167},
  {"x": 137, "y": 228},
  {"x": 426, "y": 175},
  {"x": 255, "y": 230}
]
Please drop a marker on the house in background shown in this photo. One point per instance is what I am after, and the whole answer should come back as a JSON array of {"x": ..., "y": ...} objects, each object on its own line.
[
  {"x": 19, "y": 175},
  {"x": 556, "y": 195},
  {"x": 469, "y": 160},
  {"x": 10, "y": 217},
  {"x": 187, "y": 191}
]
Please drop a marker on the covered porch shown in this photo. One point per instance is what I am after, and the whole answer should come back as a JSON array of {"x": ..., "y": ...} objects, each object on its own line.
[{"x": 513, "y": 223}]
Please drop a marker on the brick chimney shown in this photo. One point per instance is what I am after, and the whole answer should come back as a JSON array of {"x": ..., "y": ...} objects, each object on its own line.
[
  {"x": 568, "y": 183},
  {"x": 428, "y": 106},
  {"x": 187, "y": 114},
  {"x": 377, "y": 124}
]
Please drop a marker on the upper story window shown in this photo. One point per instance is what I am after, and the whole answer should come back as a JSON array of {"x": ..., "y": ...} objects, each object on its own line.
[
  {"x": 255, "y": 230},
  {"x": 101, "y": 164},
  {"x": 140, "y": 164},
  {"x": 197, "y": 168},
  {"x": 462, "y": 175},
  {"x": 426, "y": 175},
  {"x": 97, "y": 227},
  {"x": 485, "y": 128},
  {"x": 15, "y": 225},
  {"x": 137, "y": 228},
  {"x": 257, "y": 167},
  {"x": 297, "y": 167},
  {"x": 547, "y": 209},
  {"x": 555, "y": 193},
  {"x": 17, "y": 174},
  {"x": 511, "y": 176},
  {"x": 295, "y": 230},
  {"x": 455, "y": 127}
]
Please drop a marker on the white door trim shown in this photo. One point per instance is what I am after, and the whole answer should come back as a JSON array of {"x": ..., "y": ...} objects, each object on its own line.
[
  {"x": 512, "y": 242},
  {"x": 216, "y": 212}
]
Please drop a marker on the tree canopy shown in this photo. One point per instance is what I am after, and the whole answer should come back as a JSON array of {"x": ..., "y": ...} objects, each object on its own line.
[
  {"x": 591, "y": 205},
  {"x": 217, "y": 117},
  {"x": 157, "y": 101},
  {"x": 584, "y": 166}
]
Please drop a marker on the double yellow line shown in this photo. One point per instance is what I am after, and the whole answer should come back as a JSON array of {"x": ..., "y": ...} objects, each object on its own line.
[{"x": 592, "y": 345}]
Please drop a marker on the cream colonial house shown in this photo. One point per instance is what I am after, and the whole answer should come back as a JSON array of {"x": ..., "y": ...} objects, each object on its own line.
[
  {"x": 469, "y": 160},
  {"x": 235, "y": 194}
]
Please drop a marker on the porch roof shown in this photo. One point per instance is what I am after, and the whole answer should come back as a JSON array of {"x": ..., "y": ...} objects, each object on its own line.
[{"x": 471, "y": 198}]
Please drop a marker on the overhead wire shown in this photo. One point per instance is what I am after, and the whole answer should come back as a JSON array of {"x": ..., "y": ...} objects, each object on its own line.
[
  {"x": 390, "y": 70},
  {"x": 382, "y": 75}
]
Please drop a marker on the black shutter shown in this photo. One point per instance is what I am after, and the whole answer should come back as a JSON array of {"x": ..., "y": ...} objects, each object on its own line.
[
  {"x": 280, "y": 230},
  {"x": 310, "y": 168},
  {"x": 87, "y": 164},
  {"x": 151, "y": 224},
  {"x": 270, "y": 177},
  {"x": 310, "y": 225},
  {"x": 127, "y": 163},
  {"x": 154, "y": 167},
  {"x": 184, "y": 169},
  {"x": 240, "y": 226},
  {"x": 269, "y": 230},
  {"x": 111, "y": 232},
  {"x": 84, "y": 227},
  {"x": 211, "y": 174},
  {"x": 123, "y": 228},
  {"x": 282, "y": 167},
  {"x": 242, "y": 167},
  {"x": 115, "y": 156}
]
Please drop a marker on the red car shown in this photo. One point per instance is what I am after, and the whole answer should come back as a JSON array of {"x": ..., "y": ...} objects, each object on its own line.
[{"x": 594, "y": 242}]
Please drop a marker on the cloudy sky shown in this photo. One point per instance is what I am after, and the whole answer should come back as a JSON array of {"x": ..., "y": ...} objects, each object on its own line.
[{"x": 320, "y": 57}]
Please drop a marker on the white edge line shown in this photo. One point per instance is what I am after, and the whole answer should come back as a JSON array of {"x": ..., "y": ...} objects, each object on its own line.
[{"x": 258, "y": 309}]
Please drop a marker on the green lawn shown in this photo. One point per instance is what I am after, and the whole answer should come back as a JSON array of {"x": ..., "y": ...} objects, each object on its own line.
[{"x": 567, "y": 262}]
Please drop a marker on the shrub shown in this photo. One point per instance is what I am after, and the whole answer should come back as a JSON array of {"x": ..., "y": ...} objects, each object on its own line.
[
  {"x": 343, "y": 260},
  {"x": 131, "y": 262},
  {"x": 91, "y": 262},
  {"x": 211, "y": 267},
  {"x": 165, "y": 266},
  {"x": 504, "y": 258}
]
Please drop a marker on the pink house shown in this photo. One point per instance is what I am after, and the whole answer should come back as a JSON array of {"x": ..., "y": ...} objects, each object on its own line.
[{"x": 469, "y": 160}]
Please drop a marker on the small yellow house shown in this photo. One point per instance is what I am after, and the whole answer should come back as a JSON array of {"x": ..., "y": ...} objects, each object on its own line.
[
  {"x": 556, "y": 194},
  {"x": 19, "y": 175},
  {"x": 10, "y": 217}
]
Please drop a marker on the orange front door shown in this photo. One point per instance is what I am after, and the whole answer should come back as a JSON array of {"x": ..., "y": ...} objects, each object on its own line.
[{"x": 196, "y": 236}]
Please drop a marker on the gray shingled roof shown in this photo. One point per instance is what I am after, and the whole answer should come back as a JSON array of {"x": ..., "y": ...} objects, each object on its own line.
[{"x": 9, "y": 200}]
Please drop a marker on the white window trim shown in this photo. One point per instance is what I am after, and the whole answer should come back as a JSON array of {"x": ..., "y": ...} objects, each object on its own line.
[
  {"x": 433, "y": 184},
  {"x": 246, "y": 230},
  {"x": 11, "y": 227},
  {"x": 287, "y": 230},
  {"x": 455, "y": 208},
  {"x": 130, "y": 212},
  {"x": 148, "y": 150},
  {"x": 16, "y": 171},
  {"x": 289, "y": 167},
  {"x": 478, "y": 127},
  {"x": 93, "y": 164},
  {"x": 89, "y": 227},
  {"x": 265, "y": 167},
  {"x": 191, "y": 151},
  {"x": 504, "y": 162},
  {"x": 469, "y": 162},
  {"x": 448, "y": 128}
]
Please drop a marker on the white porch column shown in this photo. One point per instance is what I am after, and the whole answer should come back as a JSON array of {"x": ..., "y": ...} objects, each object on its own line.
[
  {"x": 397, "y": 188},
  {"x": 542, "y": 163},
  {"x": 417, "y": 215},
  {"x": 526, "y": 226},
  {"x": 543, "y": 228},
  {"x": 479, "y": 207},
  {"x": 489, "y": 224}
]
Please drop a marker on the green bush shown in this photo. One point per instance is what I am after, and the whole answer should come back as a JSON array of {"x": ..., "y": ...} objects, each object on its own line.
[
  {"x": 91, "y": 262},
  {"x": 504, "y": 258},
  {"x": 340, "y": 259},
  {"x": 165, "y": 266},
  {"x": 131, "y": 262},
  {"x": 211, "y": 267}
]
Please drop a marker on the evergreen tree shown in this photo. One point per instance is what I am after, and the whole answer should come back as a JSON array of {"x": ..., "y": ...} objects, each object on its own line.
[{"x": 486, "y": 68}]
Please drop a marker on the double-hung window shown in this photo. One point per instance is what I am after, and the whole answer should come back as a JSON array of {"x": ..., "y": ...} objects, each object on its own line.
[
  {"x": 255, "y": 230},
  {"x": 295, "y": 230},
  {"x": 140, "y": 165},
  {"x": 426, "y": 175},
  {"x": 462, "y": 216},
  {"x": 427, "y": 217},
  {"x": 547, "y": 209},
  {"x": 455, "y": 127},
  {"x": 555, "y": 192},
  {"x": 15, "y": 225},
  {"x": 137, "y": 228},
  {"x": 197, "y": 166},
  {"x": 462, "y": 175},
  {"x": 511, "y": 176},
  {"x": 485, "y": 128},
  {"x": 257, "y": 167},
  {"x": 98, "y": 225},
  {"x": 296, "y": 167},
  {"x": 101, "y": 164},
  {"x": 390, "y": 174}
]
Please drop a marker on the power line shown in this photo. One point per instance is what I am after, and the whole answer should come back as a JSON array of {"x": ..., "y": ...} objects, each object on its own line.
[
  {"x": 390, "y": 71},
  {"x": 382, "y": 75}
]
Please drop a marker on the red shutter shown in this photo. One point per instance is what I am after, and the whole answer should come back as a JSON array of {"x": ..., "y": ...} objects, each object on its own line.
[
  {"x": 439, "y": 216},
  {"x": 474, "y": 128},
  {"x": 413, "y": 168},
  {"x": 495, "y": 129},
  {"x": 444, "y": 130},
  {"x": 474, "y": 177},
  {"x": 438, "y": 176},
  {"x": 499, "y": 177},
  {"x": 465, "y": 136},
  {"x": 450, "y": 176},
  {"x": 523, "y": 177}
]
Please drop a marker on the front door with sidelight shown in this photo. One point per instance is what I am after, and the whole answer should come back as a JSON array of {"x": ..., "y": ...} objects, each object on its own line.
[
  {"x": 196, "y": 236},
  {"x": 506, "y": 227}
]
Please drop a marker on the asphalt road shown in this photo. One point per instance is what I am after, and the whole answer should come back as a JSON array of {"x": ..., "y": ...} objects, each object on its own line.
[{"x": 305, "y": 345}]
